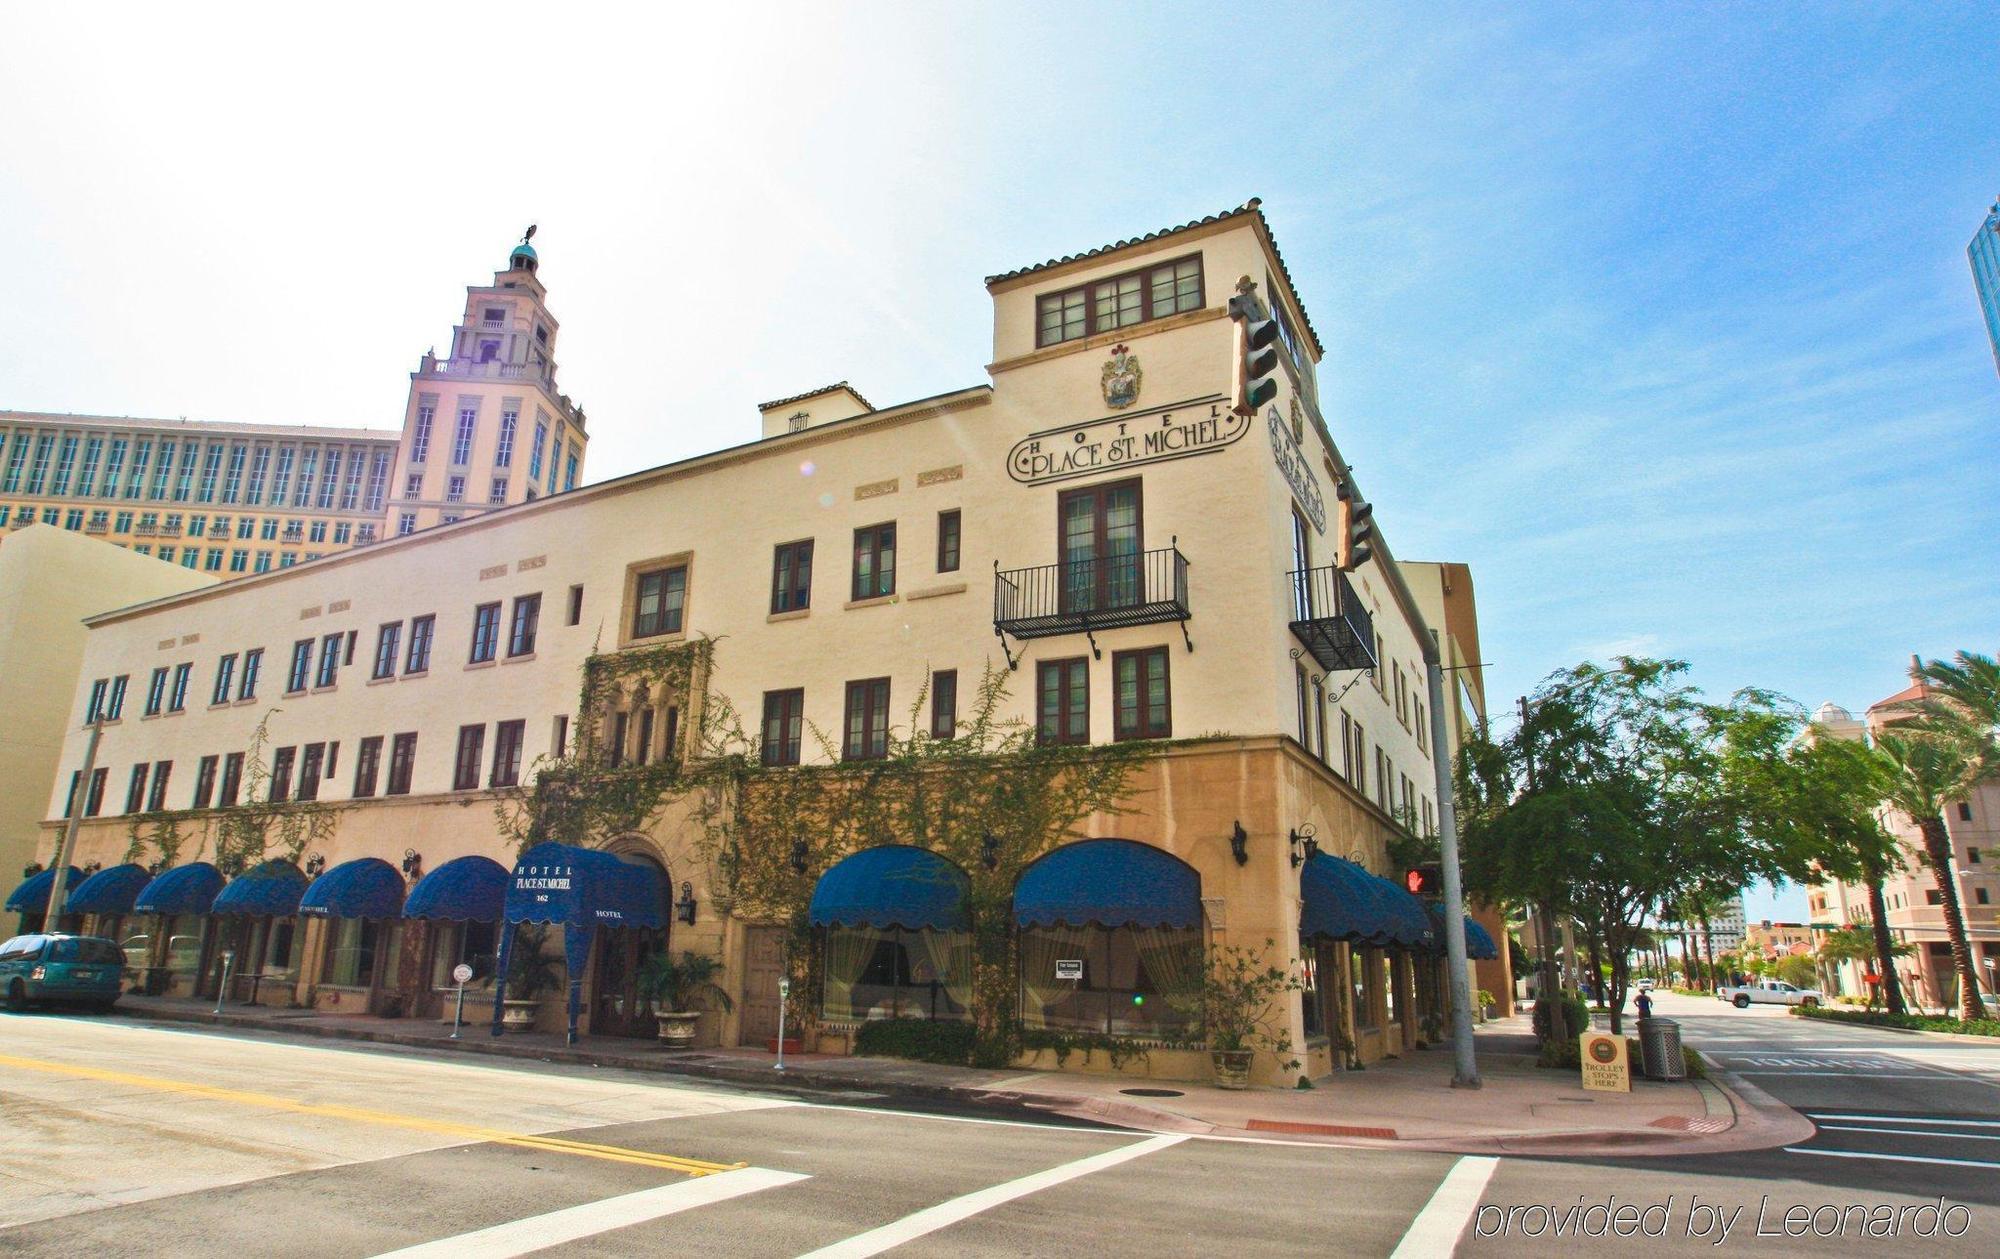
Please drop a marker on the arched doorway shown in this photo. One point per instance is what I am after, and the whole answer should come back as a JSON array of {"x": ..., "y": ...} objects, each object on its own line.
[{"x": 617, "y": 1007}]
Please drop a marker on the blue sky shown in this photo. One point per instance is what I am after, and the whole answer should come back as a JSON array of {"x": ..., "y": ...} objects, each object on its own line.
[{"x": 1658, "y": 316}]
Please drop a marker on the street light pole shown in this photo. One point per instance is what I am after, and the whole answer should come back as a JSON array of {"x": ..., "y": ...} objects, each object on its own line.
[
  {"x": 1465, "y": 1069},
  {"x": 59, "y": 872}
]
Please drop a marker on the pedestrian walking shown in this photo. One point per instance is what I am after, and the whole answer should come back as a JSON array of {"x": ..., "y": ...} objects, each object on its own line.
[{"x": 1645, "y": 1004}]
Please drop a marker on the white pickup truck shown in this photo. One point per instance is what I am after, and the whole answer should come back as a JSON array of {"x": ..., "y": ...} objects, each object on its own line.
[{"x": 1769, "y": 992}]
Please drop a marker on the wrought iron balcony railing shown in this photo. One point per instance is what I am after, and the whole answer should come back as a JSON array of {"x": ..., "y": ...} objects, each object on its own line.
[
  {"x": 1084, "y": 596},
  {"x": 1329, "y": 618}
]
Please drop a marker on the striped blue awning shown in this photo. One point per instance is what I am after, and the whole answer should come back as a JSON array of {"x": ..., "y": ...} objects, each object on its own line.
[
  {"x": 32, "y": 897},
  {"x": 110, "y": 891},
  {"x": 893, "y": 886},
  {"x": 465, "y": 889},
  {"x": 1108, "y": 883},
  {"x": 188, "y": 889},
  {"x": 367, "y": 887},
  {"x": 270, "y": 889}
]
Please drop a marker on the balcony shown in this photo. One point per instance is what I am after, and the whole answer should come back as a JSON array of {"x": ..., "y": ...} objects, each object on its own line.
[
  {"x": 1084, "y": 596},
  {"x": 1330, "y": 619}
]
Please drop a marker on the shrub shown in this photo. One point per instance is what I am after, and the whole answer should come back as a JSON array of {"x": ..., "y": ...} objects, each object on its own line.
[
  {"x": 1908, "y": 1022},
  {"x": 921, "y": 1040}
]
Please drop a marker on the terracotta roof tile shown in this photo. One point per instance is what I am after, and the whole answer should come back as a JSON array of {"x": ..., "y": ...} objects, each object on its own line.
[{"x": 814, "y": 393}]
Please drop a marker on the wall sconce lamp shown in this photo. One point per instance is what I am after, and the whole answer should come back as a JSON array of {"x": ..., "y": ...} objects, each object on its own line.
[
  {"x": 315, "y": 866},
  {"x": 1239, "y": 845},
  {"x": 1304, "y": 846},
  {"x": 30, "y": 870},
  {"x": 685, "y": 905},
  {"x": 989, "y": 851},
  {"x": 798, "y": 856},
  {"x": 413, "y": 864},
  {"x": 153, "y": 867},
  {"x": 91, "y": 867}
]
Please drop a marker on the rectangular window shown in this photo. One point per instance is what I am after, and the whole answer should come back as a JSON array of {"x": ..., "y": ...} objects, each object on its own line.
[
  {"x": 507, "y": 739},
  {"x": 503, "y": 454},
  {"x": 1062, "y": 707},
  {"x": 875, "y": 561},
  {"x": 204, "y": 781},
  {"x": 535, "y": 451},
  {"x": 791, "y": 577},
  {"x": 1143, "y": 707},
  {"x": 1964, "y": 811},
  {"x": 387, "y": 641},
  {"x": 177, "y": 701},
  {"x": 419, "y": 659},
  {"x": 367, "y": 765},
  {"x": 253, "y": 663},
  {"x": 158, "y": 799},
  {"x": 947, "y": 552},
  {"x": 660, "y": 597},
  {"x": 114, "y": 708},
  {"x": 944, "y": 704},
  {"x": 281, "y": 773},
  {"x": 642, "y": 750},
  {"x": 225, "y": 677},
  {"x": 575, "y": 604},
  {"x": 497, "y": 493},
  {"x": 1299, "y": 700},
  {"x": 621, "y": 730},
  {"x": 454, "y": 489},
  {"x": 93, "y": 803},
  {"x": 461, "y": 442},
  {"x": 1119, "y": 301},
  {"x": 1101, "y": 543},
  {"x": 784, "y": 725},
  {"x": 1319, "y": 718},
  {"x": 329, "y": 659},
  {"x": 301, "y": 673},
  {"x": 559, "y": 735},
  {"x": 135, "y": 791},
  {"x": 867, "y": 724},
  {"x": 310, "y": 762},
  {"x": 402, "y": 764},
  {"x": 485, "y": 632},
  {"x": 521, "y": 632},
  {"x": 232, "y": 780},
  {"x": 471, "y": 745},
  {"x": 156, "y": 692},
  {"x": 95, "y": 707},
  {"x": 420, "y": 437}
]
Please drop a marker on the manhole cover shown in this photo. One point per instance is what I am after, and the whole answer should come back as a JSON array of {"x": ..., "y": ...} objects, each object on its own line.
[{"x": 1152, "y": 1092}]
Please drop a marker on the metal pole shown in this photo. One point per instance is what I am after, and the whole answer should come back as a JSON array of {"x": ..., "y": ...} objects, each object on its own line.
[
  {"x": 67, "y": 844},
  {"x": 1465, "y": 1069},
  {"x": 222, "y": 989},
  {"x": 784, "y": 995},
  {"x": 458, "y": 1012}
]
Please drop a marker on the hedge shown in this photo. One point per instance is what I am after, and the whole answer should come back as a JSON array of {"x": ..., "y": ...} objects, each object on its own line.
[
  {"x": 1908, "y": 1022},
  {"x": 920, "y": 1039}
]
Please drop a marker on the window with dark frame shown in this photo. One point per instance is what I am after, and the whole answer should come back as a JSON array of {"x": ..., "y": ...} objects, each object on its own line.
[
  {"x": 867, "y": 721},
  {"x": 521, "y": 632},
  {"x": 367, "y": 766},
  {"x": 295, "y": 681},
  {"x": 875, "y": 561},
  {"x": 944, "y": 704},
  {"x": 948, "y": 539},
  {"x": 1100, "y": 538},
  {"x": 791, "y": 577},
  {"x": 422, "y": 629},
  {"x": 156, "y": 692},
  {"x": 402, "y": 764},
  {"x": 485, "y": 633},
  {"x": 659, "y": 597},
  {"x": 204, "y": 781},
  {"x": 281, "y": 774},
  {"x": 253, "y": 663},
  {"x": 225, "y": 678},
  {"x": 94, "y": 803},
  {"x": 312, "y": 758},
  {"x": 1062, "y": 701},
  {"x": 232, "y": 780},
  {"x": 507, "y": 739},
  {"x": 177, "y": 700},
  {"x": 1119, "y": 301},
  {"x": 621, "y": 730},
  {"x": 388, "y": 645},
  {"x": 575, "y": 604},
  {"x": 329, "y": 659},
  {"x": 471, "y": 747},
  {"x": 642, "y": 747},
  {"x": 135, "y": 790},
  {"x": 784, "y": 726},
  {"x": 1144, "y": 702}
]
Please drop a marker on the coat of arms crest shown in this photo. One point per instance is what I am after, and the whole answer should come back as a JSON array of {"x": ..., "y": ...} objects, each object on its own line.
[{"x": 1121, "y": 378}]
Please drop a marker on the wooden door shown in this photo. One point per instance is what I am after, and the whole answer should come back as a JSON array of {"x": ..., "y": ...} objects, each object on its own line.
[
  {"x": 616, "y": 1008},
  {"x": 766, "y": 962}
]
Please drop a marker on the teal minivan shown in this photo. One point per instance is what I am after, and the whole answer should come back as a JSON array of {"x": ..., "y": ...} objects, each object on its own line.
[{"x": 88, "y": 970}]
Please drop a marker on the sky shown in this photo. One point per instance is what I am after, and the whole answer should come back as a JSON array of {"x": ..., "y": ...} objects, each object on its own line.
[{"x": 1658, "y": 316}]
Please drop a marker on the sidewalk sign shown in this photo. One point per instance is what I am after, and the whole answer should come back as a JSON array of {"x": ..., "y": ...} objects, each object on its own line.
[{"x": 1606, "y": 1067}]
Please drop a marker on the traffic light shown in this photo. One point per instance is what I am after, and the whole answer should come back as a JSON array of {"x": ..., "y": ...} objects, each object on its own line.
[
  {"x": 1424, "y": 880},
  {"x": 1256, "y": 380},
  {"x": 1357, "y": 529}
]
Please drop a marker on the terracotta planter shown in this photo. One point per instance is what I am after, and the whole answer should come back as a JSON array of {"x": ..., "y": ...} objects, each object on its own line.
[
  {"x": 519, "y": 1016},
  {"x": 793, "y": 1045},
  {"x": 677, "y": 1027},
  {"x": 1232, "y": 1068}
]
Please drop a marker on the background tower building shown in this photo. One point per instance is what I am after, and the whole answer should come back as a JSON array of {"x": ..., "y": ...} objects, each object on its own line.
[{"x": 1984, "y": 251}]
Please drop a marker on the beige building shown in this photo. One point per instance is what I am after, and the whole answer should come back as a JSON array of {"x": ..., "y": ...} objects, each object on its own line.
[
  {"x": 1093, "y": 523},
  {"x": 484, "y": 427},
  {"x": 1773, "y": 940},
  {"x": 50, "y": 580}
]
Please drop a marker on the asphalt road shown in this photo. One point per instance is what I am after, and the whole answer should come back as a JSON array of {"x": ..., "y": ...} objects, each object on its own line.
[{"x": 122, "y": 1138}]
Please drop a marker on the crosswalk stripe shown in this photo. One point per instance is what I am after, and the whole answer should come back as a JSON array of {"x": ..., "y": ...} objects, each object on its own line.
[
  {"x": 539, "y": 1232},
  {"x": 1908, "y": 1132},
  {"x": 1934, "y": 1123},
  {"x": 1893, "y": 1158},
  {"x": 1438, "y": 1226}
]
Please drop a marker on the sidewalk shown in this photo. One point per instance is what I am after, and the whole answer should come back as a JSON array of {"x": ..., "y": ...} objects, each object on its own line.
[{"x": 1407, "y": 1103}]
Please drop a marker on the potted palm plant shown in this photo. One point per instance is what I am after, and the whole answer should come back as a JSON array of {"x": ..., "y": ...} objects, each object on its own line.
[
  {"x": 1234, "y": 1004},
  {"x": 530, "y": 973},
  {"x": 674, "y": 985}
]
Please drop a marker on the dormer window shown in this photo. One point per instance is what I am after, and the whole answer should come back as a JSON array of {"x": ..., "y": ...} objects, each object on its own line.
[{"x": 1119, "y": 301}]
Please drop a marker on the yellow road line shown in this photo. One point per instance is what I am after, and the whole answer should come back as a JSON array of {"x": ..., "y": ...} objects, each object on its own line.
[{"x": 556, "y": 1145}]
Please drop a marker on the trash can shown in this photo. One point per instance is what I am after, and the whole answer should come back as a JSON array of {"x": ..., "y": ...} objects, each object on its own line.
[{"x": 1660, "y": 1050}]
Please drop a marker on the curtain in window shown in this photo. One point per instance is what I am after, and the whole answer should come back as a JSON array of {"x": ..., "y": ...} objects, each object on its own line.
[
  {"x": 848, "y": 950},
  {"x": 1172, "y": 957},
  {"x": 1040, "y": 947},
  {"x": 950, "y": 956}
]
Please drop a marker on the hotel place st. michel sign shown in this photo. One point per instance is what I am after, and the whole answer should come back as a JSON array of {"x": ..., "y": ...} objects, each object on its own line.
[{"x": 1176, "y": 431}]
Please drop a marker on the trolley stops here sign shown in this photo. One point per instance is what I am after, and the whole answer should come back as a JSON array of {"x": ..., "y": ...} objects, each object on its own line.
[{"x": 1606, "y": 1067}]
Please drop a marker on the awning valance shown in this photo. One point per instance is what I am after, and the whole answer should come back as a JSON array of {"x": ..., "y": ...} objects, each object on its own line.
[
  {"x": 558, "y": 883},
  {"x": 464, "y": 889},
  {"x": 893, "y": 886},
  {"x": 270, "y": 889},
  {"x": 188, "y": 889},
  {"x": 1108, "y": 883},
  {"x": 110, "y": 891},
  {"x": 367, "y": 887},
  {"x": 1479, "y": 944},
  {"x": 1411, "y": 921},
  {"x": 32, "y": 897}
]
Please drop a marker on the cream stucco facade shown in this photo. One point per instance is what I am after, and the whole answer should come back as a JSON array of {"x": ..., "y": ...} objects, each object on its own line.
[{"x": 984, "y": 488}]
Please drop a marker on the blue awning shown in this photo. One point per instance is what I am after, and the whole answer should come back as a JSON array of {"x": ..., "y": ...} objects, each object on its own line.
[
  {"x": 1479, "y": 944},
  {"x": 367, "y": 887},
  {"x": 892, "y": 886},
  {"x": 270, "y": 889},
  {"x": 1338, "y": 900},
  {"x": 1411, "y": 922},
  {"x": 1108, "y": 883},
  {"x": 583, "y": 887},
  {"x": 188, "y": 889},
  {"x": 464, "y": 889},
  {"x": 110, "y": 891},
  {"x": 32, "y": 897}
]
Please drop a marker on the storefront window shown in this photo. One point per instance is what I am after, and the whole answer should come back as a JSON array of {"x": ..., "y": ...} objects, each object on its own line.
[
  {"x": 885, "y": 973},
  {"x": 473, "y": 943},
  {"x": 183, "y": 949},
  {"x": 1127, "y": 974},
  {"x": 1310, "y": 999},
  {"x": 278, "y": 960},
  {"x": 1388, "y": 979},
  {"x": 1365, "y": 975},
  {"x": 350, "y": 961}
]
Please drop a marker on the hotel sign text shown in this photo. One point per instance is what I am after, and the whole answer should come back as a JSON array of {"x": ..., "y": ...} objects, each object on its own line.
[{"x": 1175, "y": 432}]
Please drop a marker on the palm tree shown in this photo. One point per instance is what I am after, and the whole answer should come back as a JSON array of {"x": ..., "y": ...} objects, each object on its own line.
[
  {"x": 1962, "y": 706},
  {"x": 1931, "y": 767}
]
